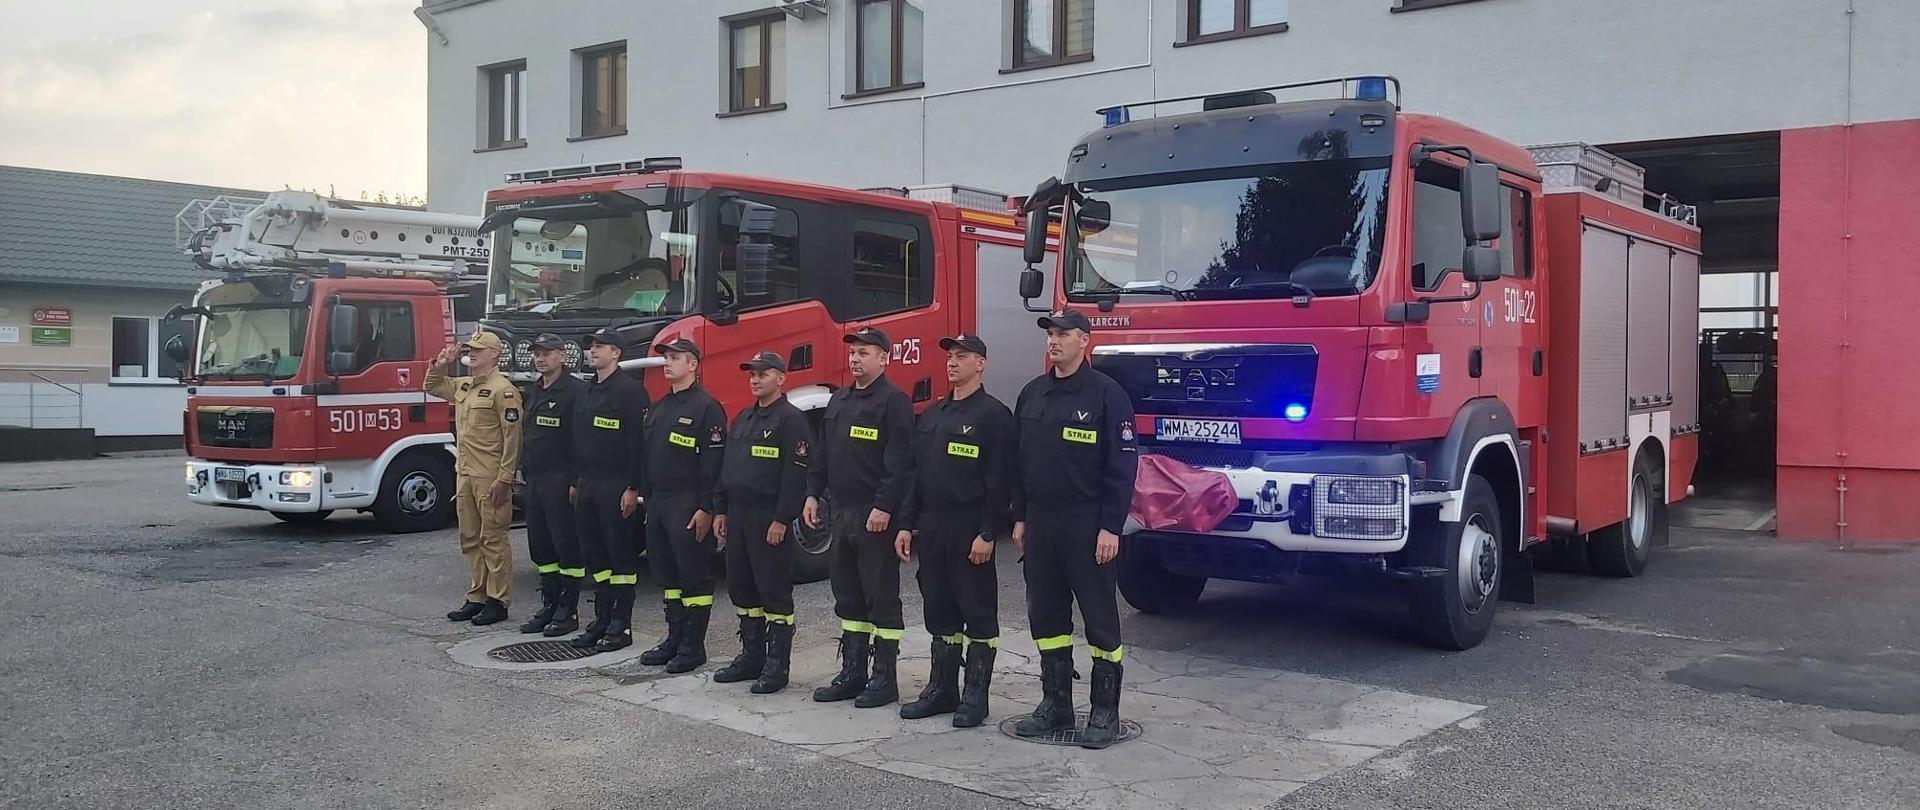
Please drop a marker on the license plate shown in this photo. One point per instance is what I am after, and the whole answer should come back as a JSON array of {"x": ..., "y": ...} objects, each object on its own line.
[
  {"x": 229, "y": 474},
  {"x": 1208, "y": 431}
]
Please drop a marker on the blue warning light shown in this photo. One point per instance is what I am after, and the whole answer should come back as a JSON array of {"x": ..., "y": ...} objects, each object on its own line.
[
  {"x": 1371, "y": 88},
  {"x": 1295, "y": 412},
  {"x": 1116, "y": 116}
]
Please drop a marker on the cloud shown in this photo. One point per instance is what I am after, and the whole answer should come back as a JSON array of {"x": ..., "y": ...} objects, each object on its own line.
[{"x": 309, "y": 93}]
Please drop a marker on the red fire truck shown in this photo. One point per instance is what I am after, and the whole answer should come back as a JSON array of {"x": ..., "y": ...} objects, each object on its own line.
[
  {"x": 1406, "y": 346},
  {"x": 744, "y": 264},
  {"x": 305, "y": 389}
]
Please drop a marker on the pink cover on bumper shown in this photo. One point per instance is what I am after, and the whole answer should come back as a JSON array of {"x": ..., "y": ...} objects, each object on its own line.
[{"x": 1171, "y": 496}]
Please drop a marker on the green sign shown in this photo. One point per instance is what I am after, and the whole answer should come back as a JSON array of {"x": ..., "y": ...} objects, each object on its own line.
[{"x": 53, "y": 336}]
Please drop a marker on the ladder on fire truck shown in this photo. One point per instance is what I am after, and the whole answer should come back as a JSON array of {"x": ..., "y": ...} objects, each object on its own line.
[{"x": 303, "y": 232}]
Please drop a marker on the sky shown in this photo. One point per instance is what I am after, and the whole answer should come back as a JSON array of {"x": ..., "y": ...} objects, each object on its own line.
[{"x": 254, "y": 94}]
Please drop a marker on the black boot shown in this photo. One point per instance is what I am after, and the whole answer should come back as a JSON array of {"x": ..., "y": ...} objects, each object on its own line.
[
  {"x": 942, "y": 694},
  {"x": 853, "y": 669},
  {"x": 773, "y": 676},
  {"x": 1103, "y": 720},
  {"x": 884, "y": 685},
  {"x": 619, "y": 634},
  {"x": 692, "y": 651},
  {"x": 566, "y": 612},
  {"x": 973, "y": 699},
  {"x": 602, "y": 615},
  {"x": 466, "y": 612},
  {"x": 753, "y": 653},
  {"x": 663, "y": 652},
  {"x": 1055, "y": 712},
  {"x": 493, "y": 612},
  {"x": 549, "y": 602}
]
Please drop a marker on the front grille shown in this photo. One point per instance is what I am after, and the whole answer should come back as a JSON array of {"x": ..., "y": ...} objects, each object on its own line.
[
  {"x": 235, "y": 426},
  {"x": 1244, "y": 381}
]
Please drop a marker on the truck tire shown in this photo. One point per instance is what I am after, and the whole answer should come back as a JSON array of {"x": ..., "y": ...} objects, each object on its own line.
[
  {"x": 1149, "y": 587},
  {"x": 1622, "y": 550},
  {"x": 812, "y": 547},
  {"x": 1455, "y": 611},
  {"x": 303, "y": 518},
  {"x": 416, "y": 494}
]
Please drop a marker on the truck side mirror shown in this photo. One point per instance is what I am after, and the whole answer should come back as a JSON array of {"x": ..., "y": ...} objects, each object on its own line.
[
  {"x": 754, "y": 252},
  {"x": 1480, "y": 264},
  {"x": 1031, "y": 282},
  {"x": 1035, "y": 250},
  {"x": 1480, "y": 201},
  {"x": 177, "y": 349},
  {"x": 343, "y": 335}
]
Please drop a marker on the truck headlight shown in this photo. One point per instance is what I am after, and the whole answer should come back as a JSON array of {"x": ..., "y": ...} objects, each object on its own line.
[
  {"x": 1355, "y": 508},
  {"x": 297, "y": 479}
]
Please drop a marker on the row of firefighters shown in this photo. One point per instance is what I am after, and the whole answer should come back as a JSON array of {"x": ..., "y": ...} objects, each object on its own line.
[{"x": 597, "y": 456}]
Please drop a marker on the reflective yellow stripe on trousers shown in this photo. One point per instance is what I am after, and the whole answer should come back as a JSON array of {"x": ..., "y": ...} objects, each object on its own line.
[{"x": 1053, "y": 642}]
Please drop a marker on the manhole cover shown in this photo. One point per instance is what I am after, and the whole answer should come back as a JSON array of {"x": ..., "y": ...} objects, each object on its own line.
[
  {"x": 539, "y": 652},
  {"x": 1128, "y": 731}
]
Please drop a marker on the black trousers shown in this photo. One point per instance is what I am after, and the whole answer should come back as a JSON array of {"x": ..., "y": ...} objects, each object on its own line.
[
  {"x": 679, "y": 564},
  {"x": 551, "y": 539},
  {"x": 1060, "y": 570},
  {"x": 866, "y": 577},
  {"x": 607, "y": 540},
  {"x": 759, "y": 576},
  {"x": 958, "y": 596}
]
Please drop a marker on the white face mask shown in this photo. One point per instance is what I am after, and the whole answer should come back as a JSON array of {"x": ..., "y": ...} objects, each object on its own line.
[{"x": 466, "y": 360}]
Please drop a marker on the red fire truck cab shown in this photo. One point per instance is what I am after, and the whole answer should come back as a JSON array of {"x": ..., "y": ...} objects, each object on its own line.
[{"x": 1407, "y": 349}]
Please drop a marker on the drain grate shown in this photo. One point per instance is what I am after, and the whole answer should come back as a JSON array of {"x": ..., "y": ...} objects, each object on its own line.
[
  {"x": 539, "y": 652},
  {"x": 1128, "y": 730}
]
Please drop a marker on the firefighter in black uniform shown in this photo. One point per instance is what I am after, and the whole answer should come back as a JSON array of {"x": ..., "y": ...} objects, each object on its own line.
[
  {"x": 865, "y": 450},
  {"x": 762, "y": 486},
  {"x": 686, "y": 437},
  {"x": 1076, "y": 466},
  {"x": 958, "y": 504},
  {"x": 607, "y": 432},
  {"x": 546, "y": 464}
]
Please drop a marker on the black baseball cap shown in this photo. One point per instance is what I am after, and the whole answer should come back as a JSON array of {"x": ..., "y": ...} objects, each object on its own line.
[
  {"x": 608, "y": 336},
  {"x": 869, "y": 336},
  {"x": 679, "y": 344},
  {"x": 765, "y": 361},
  {"x": 972, "y": 343},
  {"x": 1066, "y": 319},
  {"x": 549, "y": 341}
]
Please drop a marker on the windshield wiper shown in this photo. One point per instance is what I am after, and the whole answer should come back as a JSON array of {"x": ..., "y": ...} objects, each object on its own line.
[
  {"x": 1229, "y": 292},
  {"x": 1153, "y": 289}
]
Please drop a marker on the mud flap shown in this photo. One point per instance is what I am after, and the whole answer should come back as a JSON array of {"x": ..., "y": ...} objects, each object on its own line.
[{"x": 1516, "y": 577}]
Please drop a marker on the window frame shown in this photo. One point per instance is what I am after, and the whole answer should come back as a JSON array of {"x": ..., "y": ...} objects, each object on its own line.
[
  {"x": 922, "y": 254},
  {"x": 765, "y": 22},
  {"x": 1511, "y": 195},
  {"x": 1242, "y": 25},
  {"x": 808, "y": 220},
  {"x": 897, "y": 57},
  {"x": 1416, "y": 5},
  {"x": 413, "y": 330},
  {"x": 583, "y": 59},
  {"x": 153, "y": 351},
  {"x": 488, "y": 73},
  {"x": 1059, "y": 55}
]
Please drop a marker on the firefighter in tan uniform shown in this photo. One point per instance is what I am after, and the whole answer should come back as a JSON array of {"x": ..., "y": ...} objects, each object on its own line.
[{"x": 486, "y": 420}]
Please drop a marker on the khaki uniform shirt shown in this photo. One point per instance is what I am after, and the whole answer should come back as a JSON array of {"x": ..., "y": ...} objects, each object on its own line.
[{"x": 486, "y": 418}]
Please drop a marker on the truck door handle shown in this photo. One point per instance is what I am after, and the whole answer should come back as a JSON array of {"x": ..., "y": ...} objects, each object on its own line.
[
  {"x": 1539, "y": 362},
  {"x": 1473, "y": 363},
  {"x": 801, "y": 358}
]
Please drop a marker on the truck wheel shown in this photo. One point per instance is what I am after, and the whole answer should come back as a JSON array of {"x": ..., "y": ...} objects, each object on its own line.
[
  {"x": 811, "y": 560},
  {"x": 1622, "y": 550},
  {"x": 1150, "y": 588},
  {"x": 416, "y": 494},
  {"x": 1455, "y": 611},
  {"x": 303, "y": 518}
]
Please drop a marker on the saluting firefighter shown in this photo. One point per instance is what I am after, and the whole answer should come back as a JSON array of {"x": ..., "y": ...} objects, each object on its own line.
[
  {"x": 486, "y": 414},
  {"x": 686, "y": 437},
  {"x": 607, "y": 431},
  {"x": 762, "y": 487},
  {"x": 957, "y": 504},
  {"x": 865, "y": 452},
  {"x": 1076, "y": 465},
  {"x": 546, "y": 464}
]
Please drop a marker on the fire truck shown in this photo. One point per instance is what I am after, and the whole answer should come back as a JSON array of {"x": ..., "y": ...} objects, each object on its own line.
[
  {"x": 1390, "y": 342},
  {"x": 304, "y": 392},
  {"x": 743, "y": 264}
]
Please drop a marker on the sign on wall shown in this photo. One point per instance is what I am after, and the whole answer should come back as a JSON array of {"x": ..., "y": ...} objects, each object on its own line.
[
  {"x": 52, "y": 336},
  {"x": 52, "y": 316},
  {"x": 9, "y": 334}
]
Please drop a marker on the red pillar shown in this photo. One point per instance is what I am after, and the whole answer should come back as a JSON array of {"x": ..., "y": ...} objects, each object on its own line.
[{"x": 1850, "y": 332}]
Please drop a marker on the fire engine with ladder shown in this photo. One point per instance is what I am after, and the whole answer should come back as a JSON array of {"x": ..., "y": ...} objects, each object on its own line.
[{"x": 305, "y": 377}]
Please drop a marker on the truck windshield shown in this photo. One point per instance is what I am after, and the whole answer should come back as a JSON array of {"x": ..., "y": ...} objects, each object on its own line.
[
  {"x": 632, "y": 252},
  {"x": 1258, "y": 232},
  {"x": 253, "y": 331}
]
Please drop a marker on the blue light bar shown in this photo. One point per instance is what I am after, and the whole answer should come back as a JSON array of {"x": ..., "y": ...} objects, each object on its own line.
[
  {"x": 1295, "y": 412},
  {"x": 1117, "y": 116},
  {"x": 1370, "y": 88}
]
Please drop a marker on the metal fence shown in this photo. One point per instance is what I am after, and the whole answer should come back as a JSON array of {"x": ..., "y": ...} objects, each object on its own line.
[{"x": 41, "y": 402}]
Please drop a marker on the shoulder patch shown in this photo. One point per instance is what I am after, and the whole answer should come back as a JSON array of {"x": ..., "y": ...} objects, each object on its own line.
[
  {"x": 509, "y": 392},
  {"x": 1126, "y": 431},
  {"x": 512, "y": 415},
  {"x": 486, "y": 392},
  {"x": 800, "y": 449}
]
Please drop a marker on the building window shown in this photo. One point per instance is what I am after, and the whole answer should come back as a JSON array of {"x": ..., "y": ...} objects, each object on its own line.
[
  {"x": 757, "y": 58},
  {"x": 132, "y": 348},
  {"x": 887, "y": 37},
  {"x": 386, "y": 333},
  {"x": 603, "y": 91},
  {"x": 1052, "y": 32},
  {"x": 1414, "y": 5},
  {"x": 506, "y": 105},
  {"x": 1210, "y": 20},
  {"x": 890, "y": 268}
]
